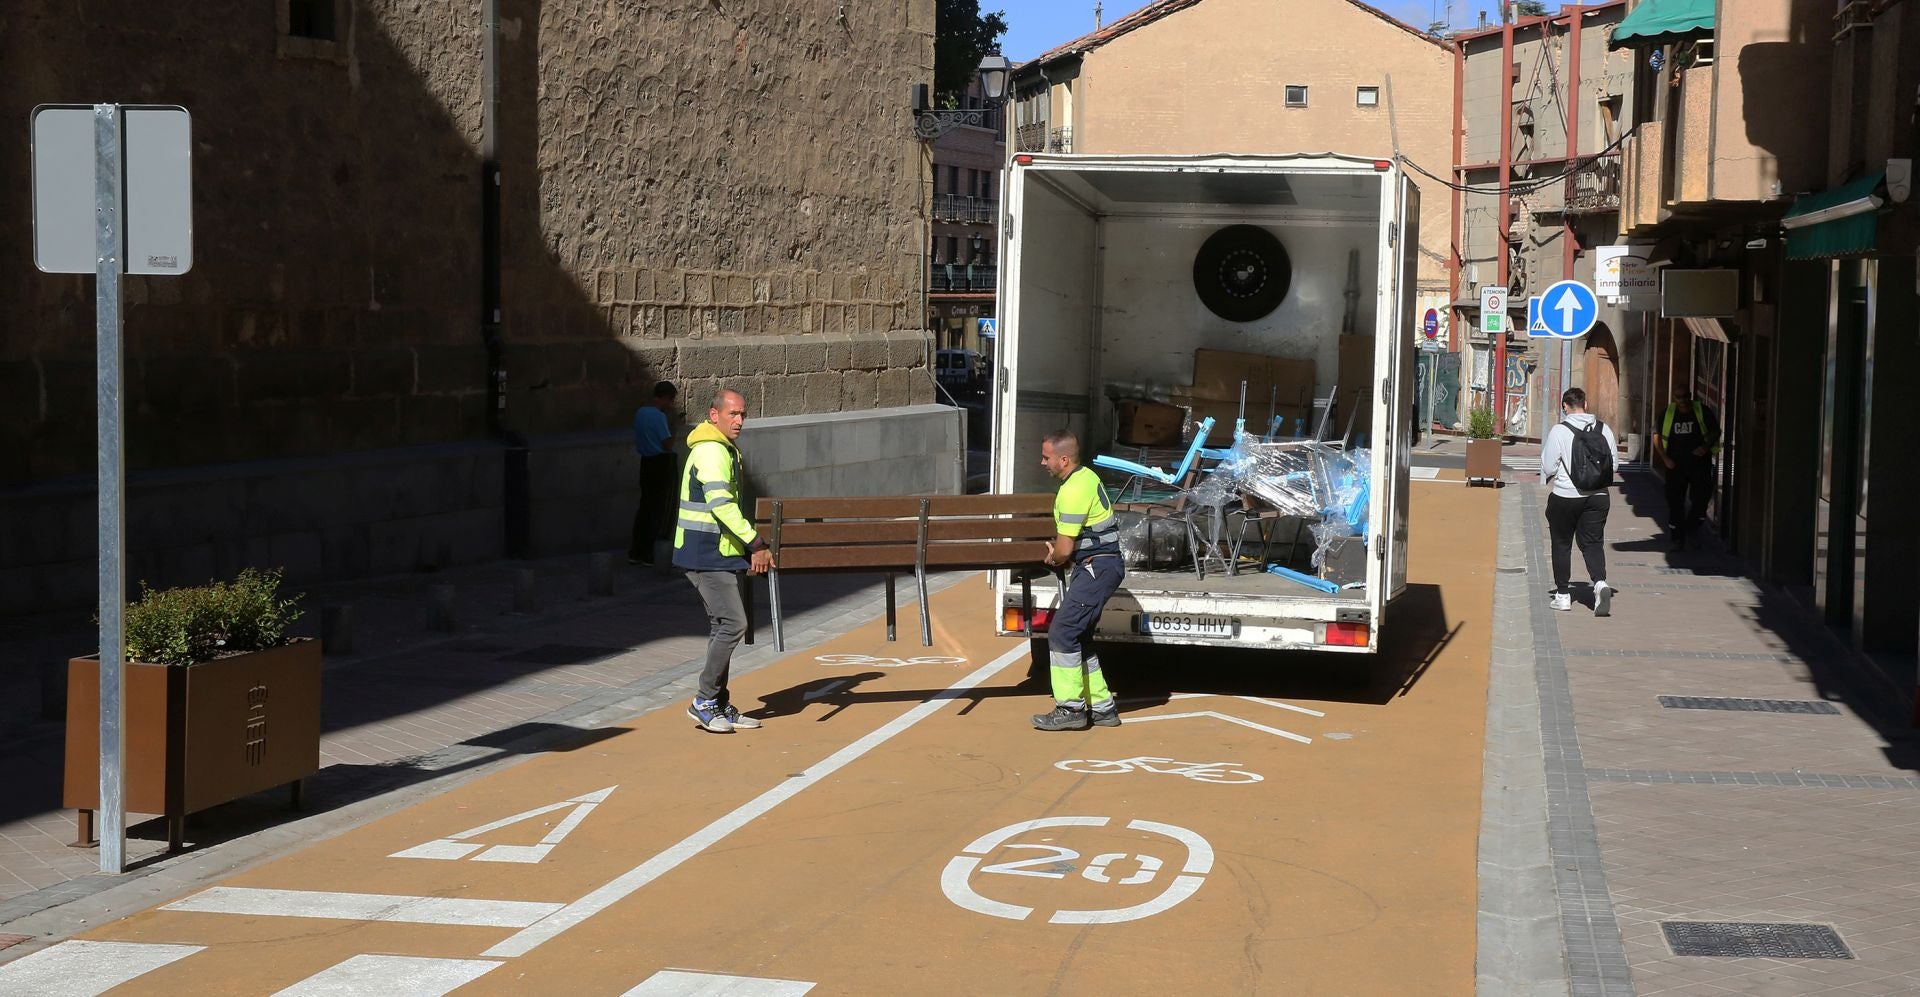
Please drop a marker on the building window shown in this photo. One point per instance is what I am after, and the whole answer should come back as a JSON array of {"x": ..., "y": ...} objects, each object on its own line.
[
  {"x": 311, "y": 19},
  {"x": 953, "y": 249},
  {"x": 1365, "y": 96},
  {"x": 1296, "y": 95},
  {"x": 311, "y": 29}
]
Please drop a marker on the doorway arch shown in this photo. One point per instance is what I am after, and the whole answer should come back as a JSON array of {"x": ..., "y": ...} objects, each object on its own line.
[{"x": 1602, "y": 364}]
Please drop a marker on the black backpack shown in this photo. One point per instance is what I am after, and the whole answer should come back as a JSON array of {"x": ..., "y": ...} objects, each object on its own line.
[{"x": 1589, "y": 459}]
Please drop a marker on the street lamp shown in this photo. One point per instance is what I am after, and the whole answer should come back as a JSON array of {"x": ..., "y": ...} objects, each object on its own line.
[{"x": 931, "y": 122}]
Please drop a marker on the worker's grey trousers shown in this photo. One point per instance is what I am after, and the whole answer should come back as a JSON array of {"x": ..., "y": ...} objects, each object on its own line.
[{"x": 727, "y": 624}]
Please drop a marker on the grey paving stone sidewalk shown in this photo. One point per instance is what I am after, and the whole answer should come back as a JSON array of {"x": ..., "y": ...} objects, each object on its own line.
[
  {"x": 1675, "y": 816},
  {"x": 413, "y": 707}
]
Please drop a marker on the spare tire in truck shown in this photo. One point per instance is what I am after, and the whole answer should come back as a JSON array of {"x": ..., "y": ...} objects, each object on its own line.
[{"x": 1242, "y": 273}]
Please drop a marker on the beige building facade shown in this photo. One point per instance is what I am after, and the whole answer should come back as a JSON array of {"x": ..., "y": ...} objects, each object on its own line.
[{"x": 1253, "y": 76}]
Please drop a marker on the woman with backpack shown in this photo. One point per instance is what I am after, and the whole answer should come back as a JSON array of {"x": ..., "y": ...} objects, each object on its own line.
[{"x": 1577, "y": 462}]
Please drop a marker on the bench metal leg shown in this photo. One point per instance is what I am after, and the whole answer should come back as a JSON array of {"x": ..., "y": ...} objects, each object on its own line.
[
  {"x": 926, "y": 619},
  {"x": 773, "y": 595},
  {"x": 746, "y": 599},
  {"x": 891, "y": 636},
  {"x": 1026, "y": 603}
]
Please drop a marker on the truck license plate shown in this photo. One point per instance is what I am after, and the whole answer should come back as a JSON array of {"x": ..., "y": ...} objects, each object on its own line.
[{"x": 1188, "y": 626}]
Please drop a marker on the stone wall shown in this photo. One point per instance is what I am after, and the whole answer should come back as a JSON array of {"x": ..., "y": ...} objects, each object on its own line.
[{"x": 689, "y": 190}]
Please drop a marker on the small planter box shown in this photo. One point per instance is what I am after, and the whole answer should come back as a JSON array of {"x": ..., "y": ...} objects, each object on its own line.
[
  {"x": 198, "y": 735},
  {"x": 1483, "y": 460}
]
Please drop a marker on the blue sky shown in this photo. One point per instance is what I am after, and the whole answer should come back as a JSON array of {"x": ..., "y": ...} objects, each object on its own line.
[{"x": 1034, "y": 26}]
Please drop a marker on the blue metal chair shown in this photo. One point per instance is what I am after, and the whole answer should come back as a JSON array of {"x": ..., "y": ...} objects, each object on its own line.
[{"x": 1164, "y": 477}]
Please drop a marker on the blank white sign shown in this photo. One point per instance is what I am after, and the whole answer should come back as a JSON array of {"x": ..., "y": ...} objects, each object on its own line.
[{"x": 157, "y": 195}]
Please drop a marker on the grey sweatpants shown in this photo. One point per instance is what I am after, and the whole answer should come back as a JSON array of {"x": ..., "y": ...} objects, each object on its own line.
[{"x": 727, "y": 624}]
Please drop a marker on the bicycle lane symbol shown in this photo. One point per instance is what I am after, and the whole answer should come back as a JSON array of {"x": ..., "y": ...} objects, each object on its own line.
[
  {"x": 884, "y": 662},
  {"x": 1219, "y": 773}
]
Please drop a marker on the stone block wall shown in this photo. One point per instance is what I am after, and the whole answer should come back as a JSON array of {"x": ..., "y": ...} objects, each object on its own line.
[{"x": 688, "y": 190}]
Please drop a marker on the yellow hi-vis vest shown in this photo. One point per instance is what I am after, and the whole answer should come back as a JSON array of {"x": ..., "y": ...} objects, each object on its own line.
[{"x": 712, "y": 533}]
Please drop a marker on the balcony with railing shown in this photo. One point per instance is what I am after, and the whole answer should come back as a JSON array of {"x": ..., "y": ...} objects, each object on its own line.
[
  {"x": 1596, "y": 188},
  {"x": 1040, "y": 137},
  {"x": 966, "y": 208},
  {"x": 962, "y": 278}
]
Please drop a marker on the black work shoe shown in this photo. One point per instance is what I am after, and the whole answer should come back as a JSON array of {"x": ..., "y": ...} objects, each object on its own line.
[
  {"x": 1106, "y": 718},
  {"x": 1062, "y": 718}
]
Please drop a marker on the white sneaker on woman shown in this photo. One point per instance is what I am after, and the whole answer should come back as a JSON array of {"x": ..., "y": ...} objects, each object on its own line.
[{"x": 1562, "y": 601}]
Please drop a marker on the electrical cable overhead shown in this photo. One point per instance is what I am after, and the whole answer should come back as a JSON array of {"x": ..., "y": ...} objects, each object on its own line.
[{"x": 1526, "y": 186}]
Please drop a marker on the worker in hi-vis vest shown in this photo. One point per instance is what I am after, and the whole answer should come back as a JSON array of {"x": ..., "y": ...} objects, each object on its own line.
[
  {"x": 1087, "y": 537},
  {"x": 1689, "y": 438},
  {"x": 715, "y": 542}
]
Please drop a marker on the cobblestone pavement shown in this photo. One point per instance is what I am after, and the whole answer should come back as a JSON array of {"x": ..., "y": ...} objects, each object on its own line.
[{"x": 1704, "y": 755}]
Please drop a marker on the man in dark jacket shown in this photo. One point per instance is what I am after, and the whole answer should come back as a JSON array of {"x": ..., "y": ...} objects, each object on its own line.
[{"x": 1689, "y": 438}]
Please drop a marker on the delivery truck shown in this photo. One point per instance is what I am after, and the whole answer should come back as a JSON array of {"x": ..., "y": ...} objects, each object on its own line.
[{"x": 1135, "y": 285}]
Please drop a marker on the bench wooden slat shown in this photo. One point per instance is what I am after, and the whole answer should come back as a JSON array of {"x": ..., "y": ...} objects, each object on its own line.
[
  {"x": 793, "y": 535},
  {"x": 881, "y": 556},
  {"x": 906, "y": 506}
]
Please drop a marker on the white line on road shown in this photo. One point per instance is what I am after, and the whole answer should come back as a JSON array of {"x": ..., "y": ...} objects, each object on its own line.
[
  {"x": 646, "y": 872},
  {"x": 390, "y": 976},
  {"x": 674, "y": 983},
  {"x": 1423, "y": 473},
  {"x": 365, "y": 907},
  {"x": 85, "y": 969},
  {"x": 1276, "y": 704},
  {"x": 1277, "y": 732}
]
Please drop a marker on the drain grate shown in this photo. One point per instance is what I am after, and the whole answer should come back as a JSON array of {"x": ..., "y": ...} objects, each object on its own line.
[
  {"x": 1754, "y": 940},
  {"x": 1807, "y": 707}
]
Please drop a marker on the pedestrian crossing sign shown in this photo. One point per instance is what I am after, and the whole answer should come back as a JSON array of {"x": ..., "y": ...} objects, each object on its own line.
[{"x": 1536, "y": 322}]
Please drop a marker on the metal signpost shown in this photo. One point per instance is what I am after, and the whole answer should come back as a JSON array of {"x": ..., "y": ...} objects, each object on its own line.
[{"x": 122, "y": 173}]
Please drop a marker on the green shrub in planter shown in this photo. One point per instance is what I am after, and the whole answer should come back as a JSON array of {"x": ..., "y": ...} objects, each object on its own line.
[
  {"x": 1480, "y": 424},
  {"x": 184, "y": 626}
]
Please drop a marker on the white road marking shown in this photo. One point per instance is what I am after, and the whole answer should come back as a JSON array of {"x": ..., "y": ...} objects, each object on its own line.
[
  {"x": 454, "y": 846},
  {"x": 390, "y": 976},
  {"x": 1423, "y": 473},
  {"x": 85, "y": 969},
  {"x": 646, "y": 872},
  {"x": 1276, "y": 704},
  {"x": 674, "y": 983},
  {"x": 955, "y": 879},
  {"x": 365, "y": 907},
  {"x": 1275, "y": 731}
]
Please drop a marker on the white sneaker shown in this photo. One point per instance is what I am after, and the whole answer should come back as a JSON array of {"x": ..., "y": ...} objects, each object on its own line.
[
  {"x": 1602, "y": 599},
  {"x": 1562, "y": 601}
]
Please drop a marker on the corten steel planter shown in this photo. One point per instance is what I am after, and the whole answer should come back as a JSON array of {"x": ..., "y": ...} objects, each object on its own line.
[
  {"x": 1483, "y": 460},
  {"x": 198, "y": 735}
]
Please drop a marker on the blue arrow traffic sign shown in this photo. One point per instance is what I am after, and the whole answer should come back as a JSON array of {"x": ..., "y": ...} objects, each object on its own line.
[{"x": 1569, "y": 309}]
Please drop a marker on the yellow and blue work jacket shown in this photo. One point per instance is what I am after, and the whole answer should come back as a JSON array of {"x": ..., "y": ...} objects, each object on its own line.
[
  {"x": 713, "y": 533},
  {"x": 1082, "y": 510}
]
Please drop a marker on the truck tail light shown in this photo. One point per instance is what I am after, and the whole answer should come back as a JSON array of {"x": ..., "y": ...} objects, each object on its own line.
[
  {"x": 1023, "y": 160},
  {"x": 1383, "y": 164},
  {"x": 1012, "y": 621},
  {"x": 1347, "y": 634}
]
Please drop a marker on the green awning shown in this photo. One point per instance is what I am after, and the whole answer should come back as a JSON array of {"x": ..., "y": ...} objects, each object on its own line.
[
  {"x": 1852, "y": 229},
  {"x": 1663, "y": 22}
]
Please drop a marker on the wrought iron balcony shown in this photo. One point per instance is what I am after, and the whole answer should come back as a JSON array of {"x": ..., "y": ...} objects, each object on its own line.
[
  {"x": 962, "y": 277},
  {"x": 1596, "y": 188},
  {"x": 1031, "y": 138},
  {"x": 965, "y": 208}
]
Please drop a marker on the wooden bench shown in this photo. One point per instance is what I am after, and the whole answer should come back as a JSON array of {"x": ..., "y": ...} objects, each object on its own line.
[{"x": 896, "y": 534}]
